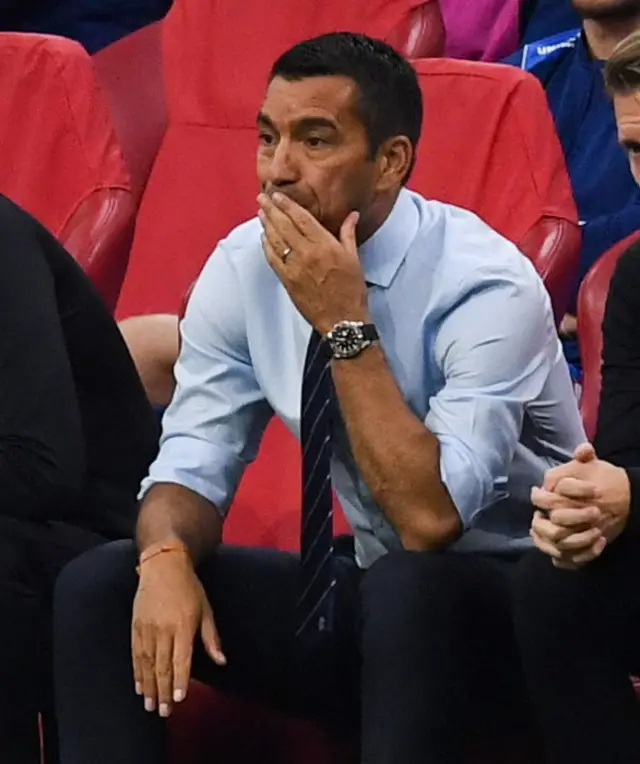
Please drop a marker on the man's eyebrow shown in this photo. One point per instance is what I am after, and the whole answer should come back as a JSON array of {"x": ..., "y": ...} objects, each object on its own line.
[
  {"x": 309, "y": 123},
  {"x": 262, "y": 120},
  {"x": 306, "y": 123}
]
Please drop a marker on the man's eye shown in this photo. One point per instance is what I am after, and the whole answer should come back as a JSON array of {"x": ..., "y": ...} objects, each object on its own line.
[
  {"x": 266, "y": 139},
  {"x": 315, "y": 142}
]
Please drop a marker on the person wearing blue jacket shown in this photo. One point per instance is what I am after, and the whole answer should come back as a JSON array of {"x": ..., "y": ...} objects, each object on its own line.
[
  {"x": 94, "y": 23},
  {"x": 570, "y": 67},
  {"x": 542, "y": 18}
]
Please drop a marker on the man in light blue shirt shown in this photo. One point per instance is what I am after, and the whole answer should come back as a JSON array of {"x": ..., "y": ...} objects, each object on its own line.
[
  {"x": 414, "y": 353},
  {"x": 441, "y": 286}
]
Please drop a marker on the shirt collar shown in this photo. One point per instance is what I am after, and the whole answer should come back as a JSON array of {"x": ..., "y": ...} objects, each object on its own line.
[{"x": 383, "y": 253}]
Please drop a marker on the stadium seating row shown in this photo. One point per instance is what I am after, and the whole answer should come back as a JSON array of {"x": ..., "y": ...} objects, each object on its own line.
[{"x": 185, "y": 176}]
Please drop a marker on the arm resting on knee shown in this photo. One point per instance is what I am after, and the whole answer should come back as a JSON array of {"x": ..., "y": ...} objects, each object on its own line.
[{"x": 172, "y": 513}]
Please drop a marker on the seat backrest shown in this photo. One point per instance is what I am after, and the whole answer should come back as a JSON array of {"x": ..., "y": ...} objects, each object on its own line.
[
  {"x": 130, "y": 73},
  {"x": 489, "y": 145},
  {"x": 203, "y": 181},
  {"x": 99, "y": 235},
  {"x": 420, "y": 34},
  {"x": 592, "y": 299},
  {"x": 61, "y": 160},
  {"x": 131, "y": 76}
]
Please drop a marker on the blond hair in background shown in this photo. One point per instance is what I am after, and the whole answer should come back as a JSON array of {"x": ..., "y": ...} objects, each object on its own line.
[{"x": 622, "y": 69}]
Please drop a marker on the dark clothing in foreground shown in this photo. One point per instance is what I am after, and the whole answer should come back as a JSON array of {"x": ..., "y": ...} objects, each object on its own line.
[{"x": 76, "y": 436}]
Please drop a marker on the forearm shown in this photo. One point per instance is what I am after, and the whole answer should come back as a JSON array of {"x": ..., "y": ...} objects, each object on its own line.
[
  {"x": 397, "y": 456},
  {"x": 171, "y": 513}
]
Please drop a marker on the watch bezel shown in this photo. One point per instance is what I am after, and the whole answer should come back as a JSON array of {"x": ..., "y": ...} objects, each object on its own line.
[{"x": 343, "y": 348}]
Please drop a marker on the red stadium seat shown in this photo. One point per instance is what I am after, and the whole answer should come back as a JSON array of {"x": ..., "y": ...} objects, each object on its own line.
[
  {"x": 60, "y": 157},
  {"x": 130, "y": 73},
  {"x": 592, "y": 299},
  {"x": 420, "y": 34},
  {"x": 208, "y": 149},
  {"x": 489, "y": 145}
]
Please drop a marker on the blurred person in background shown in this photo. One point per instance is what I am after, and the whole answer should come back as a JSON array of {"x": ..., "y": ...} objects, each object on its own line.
[
  {"x": 570, "y": 67},
  {"x": 484, "y": 30},
  {"x": 577, "y": 603},
  {"x": 540, "y": 19},
  {"x": 154, "y": 344},
  {"x": 94, "y": 23}
]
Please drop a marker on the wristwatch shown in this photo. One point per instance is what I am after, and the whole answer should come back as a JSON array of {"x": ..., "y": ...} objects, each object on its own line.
[{"x": 348, "y": 339}]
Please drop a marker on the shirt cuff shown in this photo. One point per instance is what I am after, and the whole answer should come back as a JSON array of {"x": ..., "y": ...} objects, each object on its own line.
[
  {"x": 459, "y": 472},
  {"x": 198, "y": 466}
]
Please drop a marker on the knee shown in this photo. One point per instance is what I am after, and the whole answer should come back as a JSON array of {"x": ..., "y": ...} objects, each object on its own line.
[
  {"x": 91, "y": 582},
  {"x": 546, "y": 597},
  {"x": 413, "y": 581}
]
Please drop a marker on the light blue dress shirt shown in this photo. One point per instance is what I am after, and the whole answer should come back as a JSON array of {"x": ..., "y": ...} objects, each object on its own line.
[{"x": 467, "y": 328}]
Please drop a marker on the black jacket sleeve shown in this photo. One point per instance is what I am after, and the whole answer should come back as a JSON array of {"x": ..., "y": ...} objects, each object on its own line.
[
  {"x": 41, "y": 443},
  {"x": 633, "y": 522},
  {"x": 618, "y": 433}
]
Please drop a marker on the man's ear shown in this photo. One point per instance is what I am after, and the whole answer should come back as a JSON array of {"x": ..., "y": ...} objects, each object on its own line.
[{"x": 395, "y": 157}]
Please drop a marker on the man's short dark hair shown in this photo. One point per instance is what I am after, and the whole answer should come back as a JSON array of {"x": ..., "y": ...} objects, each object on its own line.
[{"x": 390, "y": 100}]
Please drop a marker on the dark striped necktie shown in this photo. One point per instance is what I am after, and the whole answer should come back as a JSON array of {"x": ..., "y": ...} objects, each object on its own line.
[{"x": 315, "y": 606}]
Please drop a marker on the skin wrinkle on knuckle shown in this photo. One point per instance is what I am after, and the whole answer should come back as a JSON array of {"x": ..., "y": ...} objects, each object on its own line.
[{"x": 556, "y": 536}]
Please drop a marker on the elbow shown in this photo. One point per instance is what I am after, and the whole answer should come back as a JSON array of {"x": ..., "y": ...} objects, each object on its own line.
[{"x": 430, "y": 534}]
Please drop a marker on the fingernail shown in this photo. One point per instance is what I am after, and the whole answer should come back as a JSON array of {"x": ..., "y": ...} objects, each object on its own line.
[
  {"x": 277, "y": 197},
  {"x": 149, "y": 704},
  {"x": 138, "y": 688},
  {"x": 178, "y": 696},
  {"x": 221, "y": 659},
  {"x": 164, "y": 710}
]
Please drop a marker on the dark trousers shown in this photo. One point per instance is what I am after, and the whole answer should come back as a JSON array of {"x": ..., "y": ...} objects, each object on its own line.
[
  {"x": 423, "y": 652},
  {"x": 579, "y": 636},
  {"x": 31, "y": 556}
]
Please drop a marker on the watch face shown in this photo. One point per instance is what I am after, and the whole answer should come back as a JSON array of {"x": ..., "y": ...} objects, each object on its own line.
[{"x": 347, "y": 339}]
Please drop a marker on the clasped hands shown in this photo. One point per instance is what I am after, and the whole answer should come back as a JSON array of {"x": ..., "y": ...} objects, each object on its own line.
[{"x": 581, "y": 507}]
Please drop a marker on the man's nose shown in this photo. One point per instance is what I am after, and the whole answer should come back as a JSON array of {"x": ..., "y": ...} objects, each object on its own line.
[{"x": 282, "y": 166}]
